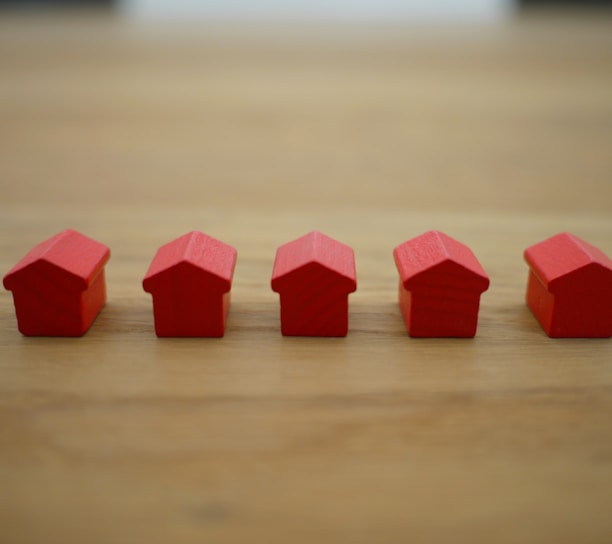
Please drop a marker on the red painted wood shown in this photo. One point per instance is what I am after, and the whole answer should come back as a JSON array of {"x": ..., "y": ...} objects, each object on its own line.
[
  {"x": 59, "y": 287},
  {"x": 314, "y": 276},
  {"x": 440, "y": 286},
  {"x": 190, "y": 279},
  {"x": 569, "y": 289}
]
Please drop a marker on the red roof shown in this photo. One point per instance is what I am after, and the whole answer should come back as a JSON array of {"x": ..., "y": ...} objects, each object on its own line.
[
  {"x": 199, "y": 250},
  {"x": 75, "y": 254},
  {"x": 434, "y": 250},
  {"x": 554, "y": 259},
  {"x": 314, "y": 248}
]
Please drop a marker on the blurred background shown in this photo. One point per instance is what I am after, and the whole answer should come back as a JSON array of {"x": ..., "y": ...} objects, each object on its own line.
[
  {"x": 391, "y": 103},
  {"x": 468, "y": 9},
  {"x": 291, "y": 106}
]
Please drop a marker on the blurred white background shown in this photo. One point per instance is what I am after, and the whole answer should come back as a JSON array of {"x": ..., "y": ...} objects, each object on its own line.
[{"x": 383, "y": 10}]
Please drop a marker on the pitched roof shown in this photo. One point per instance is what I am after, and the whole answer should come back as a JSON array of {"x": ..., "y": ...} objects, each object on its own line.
[
  {"x": 315, "y": 247},
  {"x": 199, "y": 250},
  {"x": 556, "y": 257},
  {"x": 79, "y": 256},
  {"x": 422, "y": 254}
]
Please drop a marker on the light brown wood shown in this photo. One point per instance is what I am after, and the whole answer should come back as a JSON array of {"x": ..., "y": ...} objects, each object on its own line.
[{"x": 135, "y": 134}]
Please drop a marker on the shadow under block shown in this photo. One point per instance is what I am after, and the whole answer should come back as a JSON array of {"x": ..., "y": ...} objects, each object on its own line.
[
  {"x": 314, "y": 276},
  {"x": 190, "y": 279},
  {"x": 59, "y": 286},
  {"x": 440, "y": 283},
  {"x": 569, "y": 287}
]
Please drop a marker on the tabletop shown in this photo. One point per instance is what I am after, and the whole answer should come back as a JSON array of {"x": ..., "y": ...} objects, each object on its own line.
[{"x": 136, "y": 133}]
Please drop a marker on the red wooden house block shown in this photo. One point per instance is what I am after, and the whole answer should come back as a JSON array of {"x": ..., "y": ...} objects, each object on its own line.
[
  {"x": 190, "y": 279},
  {"x": 440, "y": 286},
  {"x": 314, "y": 276},
  {"x": 59, "y": 286},
  {"x": 569, "y": 289}
]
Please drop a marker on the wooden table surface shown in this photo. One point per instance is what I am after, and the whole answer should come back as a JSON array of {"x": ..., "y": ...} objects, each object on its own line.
[{"x": 137, "y": 133}]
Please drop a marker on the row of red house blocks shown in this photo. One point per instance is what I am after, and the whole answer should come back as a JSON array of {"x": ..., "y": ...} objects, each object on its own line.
[{"x": 59, "y": 286}]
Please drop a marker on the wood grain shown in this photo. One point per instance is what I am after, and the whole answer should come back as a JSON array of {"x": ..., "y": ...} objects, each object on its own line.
[{"x": 135, "y": 134}]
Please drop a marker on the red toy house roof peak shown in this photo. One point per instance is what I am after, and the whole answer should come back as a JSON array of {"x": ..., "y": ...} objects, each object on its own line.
[
  {"x": 204, "y": 252},
  {"x": 315, "y": 247},
  {"x": 555, "y": 258},
  {"x": 434, "y": 249},
  {"x": 79, "y": 258}
]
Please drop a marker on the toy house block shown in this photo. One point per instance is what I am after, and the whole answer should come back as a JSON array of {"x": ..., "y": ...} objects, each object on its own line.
[
  {"x": 440, "y": 283},
  {"x": 190, "y": 279},
  {"x": 59, "y": 286},
  {"x": 314, "y": 276},
  {"x": 569, "y": 288}
]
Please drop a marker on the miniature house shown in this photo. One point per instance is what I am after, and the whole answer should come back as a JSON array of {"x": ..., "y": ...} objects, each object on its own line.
[
  {"x": 440, "y": 283},
  {"x": 314, "y": 276},
  {"x": 190, "y": 279},
  {"x": 59, "y": 286},
  {"x": 569, "y": 289}
]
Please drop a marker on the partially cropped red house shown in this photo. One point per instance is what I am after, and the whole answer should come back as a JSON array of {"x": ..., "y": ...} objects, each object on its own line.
[
  {"x": 190, "y": 279},
  {"x": 440, "y": 286},
  {"x": 569, "y": 289},
  {"x": 314, "y": 276},
  {"x": 59, "y": 286}
]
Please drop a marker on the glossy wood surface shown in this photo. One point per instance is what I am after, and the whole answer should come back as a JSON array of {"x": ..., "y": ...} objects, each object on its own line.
[{"x": 137, "y": 133}]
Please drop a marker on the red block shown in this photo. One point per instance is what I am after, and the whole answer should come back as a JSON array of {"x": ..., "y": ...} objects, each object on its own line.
[
  {"x": 569, "y": 289},
  {"x": 190, "y": 279},
  {"x": 314, "y": 276},
  {"x": 440, "y": 286},
  {"x": 59, "y": 286}
]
